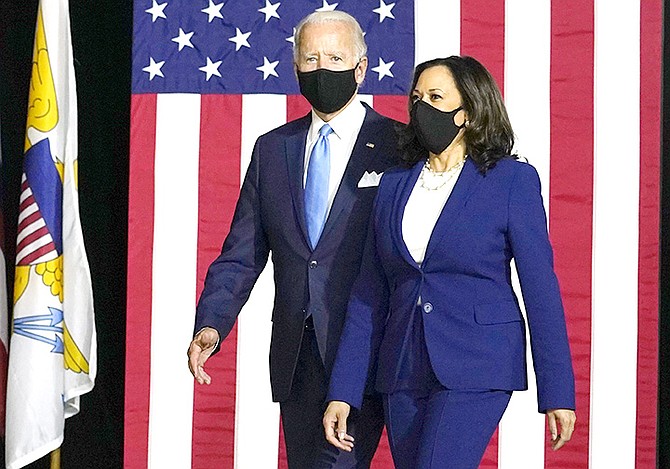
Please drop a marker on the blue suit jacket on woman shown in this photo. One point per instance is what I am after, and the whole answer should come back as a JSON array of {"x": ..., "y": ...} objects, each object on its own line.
[{"x": 473, "y": 326}]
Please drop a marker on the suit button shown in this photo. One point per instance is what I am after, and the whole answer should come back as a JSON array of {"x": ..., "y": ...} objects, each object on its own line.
[
  {"x": 313, "y": 264},
  {"x": 427, "y": 307}
]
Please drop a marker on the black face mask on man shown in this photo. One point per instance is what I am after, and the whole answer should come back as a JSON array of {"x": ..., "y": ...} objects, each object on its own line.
[
  {"x": 327, "y": 90},
  {"x": 434, "y": 129}
]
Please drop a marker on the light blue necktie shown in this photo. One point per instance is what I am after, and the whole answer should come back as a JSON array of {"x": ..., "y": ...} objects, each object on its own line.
[{"x": 316, "y": 186}]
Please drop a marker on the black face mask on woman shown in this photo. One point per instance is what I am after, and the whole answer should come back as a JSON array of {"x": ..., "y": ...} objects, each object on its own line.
[
  {"x": 327, "y": 90},
  {"x": 434, "y": 129}
]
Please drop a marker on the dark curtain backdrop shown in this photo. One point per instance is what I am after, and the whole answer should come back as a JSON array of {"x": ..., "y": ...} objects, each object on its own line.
[{"x": 102, "y": 42}]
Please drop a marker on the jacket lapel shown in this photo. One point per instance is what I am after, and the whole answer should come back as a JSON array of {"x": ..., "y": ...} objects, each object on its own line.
[
  {"x": 407, "y": 184},
  {"x": 466, "y": 184},
  {"x": 295, "y": 156},
  {"x": 361, "y": 155}
]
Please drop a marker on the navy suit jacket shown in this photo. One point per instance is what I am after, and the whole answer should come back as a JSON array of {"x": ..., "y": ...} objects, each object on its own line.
[
  {"x": 474, "y": 329},
  {"x": 269, "y": 217}
]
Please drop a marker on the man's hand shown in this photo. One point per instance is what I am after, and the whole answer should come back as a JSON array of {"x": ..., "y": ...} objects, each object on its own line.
[
  {"x": 201, "y": 348},
  {"x": 563, "y": 420},
  {"x": 335, "y": 425}
]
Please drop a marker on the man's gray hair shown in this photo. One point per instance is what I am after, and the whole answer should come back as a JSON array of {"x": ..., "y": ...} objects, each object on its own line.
[{"x": 321, "y": 17}]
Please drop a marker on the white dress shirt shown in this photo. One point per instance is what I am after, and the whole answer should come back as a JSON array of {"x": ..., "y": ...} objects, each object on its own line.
[
  {"x": 346, "y": 126},
  {"x": 421, "y": 213}
]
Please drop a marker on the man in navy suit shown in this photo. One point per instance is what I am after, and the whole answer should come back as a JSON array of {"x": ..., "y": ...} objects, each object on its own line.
[{"x": 306, "y": 198}]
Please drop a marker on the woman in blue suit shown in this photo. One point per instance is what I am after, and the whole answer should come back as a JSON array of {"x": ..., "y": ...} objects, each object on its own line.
[{"x": 433, "y": 322}]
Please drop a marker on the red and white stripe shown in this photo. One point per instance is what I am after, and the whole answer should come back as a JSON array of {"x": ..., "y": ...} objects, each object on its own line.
[
  {"x": 581, "y": 83},
  {"x": 34, "y": 243}
]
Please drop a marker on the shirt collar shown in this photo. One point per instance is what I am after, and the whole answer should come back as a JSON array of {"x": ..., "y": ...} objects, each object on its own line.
[{"x": 346, "y": 124}]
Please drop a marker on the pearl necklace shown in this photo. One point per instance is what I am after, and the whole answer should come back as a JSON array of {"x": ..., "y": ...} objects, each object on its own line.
[{"x": 434, "y": 180}]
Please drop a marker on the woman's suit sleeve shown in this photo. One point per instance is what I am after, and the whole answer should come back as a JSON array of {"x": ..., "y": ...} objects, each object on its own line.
[
  {"x": 533, "y": 256},
  {"x": 355, "y": 366}
]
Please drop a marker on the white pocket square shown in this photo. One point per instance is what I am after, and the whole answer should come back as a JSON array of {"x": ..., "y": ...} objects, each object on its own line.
[{"x": 370, "y": 179}]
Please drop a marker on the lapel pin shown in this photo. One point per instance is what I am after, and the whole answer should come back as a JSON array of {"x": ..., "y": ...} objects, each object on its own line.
[{"x": 370, "y": 145}]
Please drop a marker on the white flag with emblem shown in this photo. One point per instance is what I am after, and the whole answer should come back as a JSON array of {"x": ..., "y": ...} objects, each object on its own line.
[{"x": 52, "y": 358}]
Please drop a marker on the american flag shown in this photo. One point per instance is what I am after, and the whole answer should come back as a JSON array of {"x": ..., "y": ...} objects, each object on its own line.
[{"x": 581, "y": 80}]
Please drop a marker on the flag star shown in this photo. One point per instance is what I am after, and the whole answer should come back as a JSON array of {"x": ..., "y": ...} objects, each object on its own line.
[
  {"x": 154, "y": 68},
  {"x": 240, "y": 39},
  {"x": 156, "y": 11},
  {"x": 327, "y": 7},
  {"x": 291, "y": 39},
  {"x": 268, "y": 68},
  {"x": 212, "y": 68},
  {"x": 270, "y": 10},
  {"x": 184, "y": 39},
  {"x": 213, "y": 11},
  {"x": 384, "y": 10},
  {"x": 383, "y": 69}
]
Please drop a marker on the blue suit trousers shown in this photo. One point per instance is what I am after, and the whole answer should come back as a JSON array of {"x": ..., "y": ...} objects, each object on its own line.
[{"x": 442, "y": 428}]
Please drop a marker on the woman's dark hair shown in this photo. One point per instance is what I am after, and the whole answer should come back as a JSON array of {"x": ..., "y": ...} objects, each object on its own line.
[{"x": 488, "y": 135}]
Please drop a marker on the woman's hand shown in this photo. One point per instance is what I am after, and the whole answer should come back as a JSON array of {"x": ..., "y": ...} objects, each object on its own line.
[
  {"x": 563, "y": 420},
  {"x": 335, "y": 425}
]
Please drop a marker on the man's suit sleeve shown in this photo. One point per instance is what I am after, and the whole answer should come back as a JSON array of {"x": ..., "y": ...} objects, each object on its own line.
[
  {"x": 234, "y": 272},
  {"x": 533, "y": 256}
]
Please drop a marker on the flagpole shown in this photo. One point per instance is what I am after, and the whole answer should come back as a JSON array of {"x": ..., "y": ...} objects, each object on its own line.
[{"x": 55, "y": 458}]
